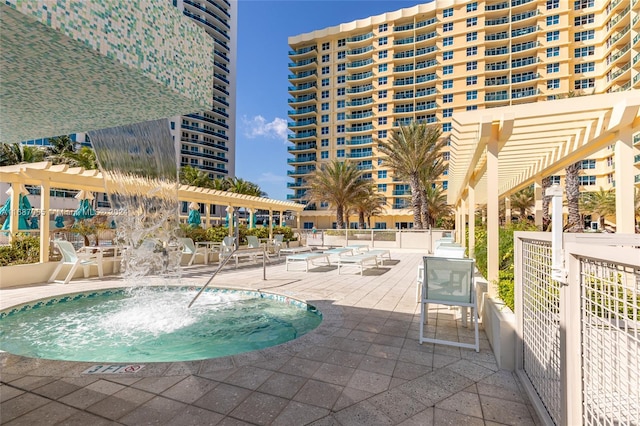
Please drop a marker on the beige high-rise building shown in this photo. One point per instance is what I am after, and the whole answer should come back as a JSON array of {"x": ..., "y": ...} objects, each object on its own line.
[{"x": 354, "y": 83}]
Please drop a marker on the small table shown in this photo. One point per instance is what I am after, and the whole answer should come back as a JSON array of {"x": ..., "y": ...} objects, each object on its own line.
[
  {"x": 209, "y": 247},
  {"x": 100, "y": 252}
]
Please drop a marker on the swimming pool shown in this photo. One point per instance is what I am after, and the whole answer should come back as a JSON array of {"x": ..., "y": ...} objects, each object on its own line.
[{"x": 153, "y": 325}]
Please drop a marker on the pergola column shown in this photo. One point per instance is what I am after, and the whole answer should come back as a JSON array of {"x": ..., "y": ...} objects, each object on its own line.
[
  {"x": 624, "y": 178},
  {"x": 15, "y": 208},
  {"x": 456, "y": 216},
  {"x": 492, "y": 215},
  {"x": 44, "y": 221},
  {"x": 281, "y": 217},
  {"x": 229, "y": 211},
  {"x": 507, "y": 210},
  {"x": 251, "y": 213},
  {"x": 471, "y": 197},
  {"x": 539, "y": 196},
  {"x": 207, "y": 215},
  {"x": 463, "y": 222},
  {"x": 270, "y": 224}
]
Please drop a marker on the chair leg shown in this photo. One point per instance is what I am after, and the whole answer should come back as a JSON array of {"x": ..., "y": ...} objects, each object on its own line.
[
  {"x": 56, "y": 272},
  {"x": 100, "y": 271},
  {"x": 71, "y": 272}
]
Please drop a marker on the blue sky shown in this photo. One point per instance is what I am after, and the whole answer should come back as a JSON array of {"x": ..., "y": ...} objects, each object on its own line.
[{"x": 263, "y": 30}]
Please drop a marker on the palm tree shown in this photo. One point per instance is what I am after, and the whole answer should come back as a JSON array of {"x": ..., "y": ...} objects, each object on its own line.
[
  {"x": 337, "y": 183},
  {"x": 17, "y": 153},
  {"x": 59, "y": 148},
  {"x": 407, "y": 152},
  {"x": 572, "y": 187},
  {"x": 241, "y": 186},
  {"x": 435, "y": 205},
  {"x": 523, "y": 201},
  {"x": 220, "y": 184},
  {"x": 546, "y": 200},
  {"x": 428, "y": 175},
  {"x": 602, "y": 203},
  {"x": 368, "y": 204},
  {"x": 85, "y": 158},
  {"x": 191, "y": 176}
]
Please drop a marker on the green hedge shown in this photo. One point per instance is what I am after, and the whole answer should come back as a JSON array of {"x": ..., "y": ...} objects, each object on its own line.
[
  {"x": 22, "y": 250},
  {"x": 217, "y": 233}
]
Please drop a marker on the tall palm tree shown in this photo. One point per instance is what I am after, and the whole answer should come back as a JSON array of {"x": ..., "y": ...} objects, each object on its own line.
[
  {"x": 337, "y": 183},
  {"x": 191, "y": 176},
  {"x": 369, "y": 203},
  {"x": 241, "y": 186},
  {"x": 17, "y": 153},
  {"x": 572, "y": 187},
  {"x": 59, "y": 149},
  {"x": 436, "y": 205},
  {"x": 220, "y": 184},
  {"x": 602, "y": 203},
  {"x": 407, "y": 152},
  {"x": 85, "y": 158},
  {"x": 546, "y": 200},
  {"x": 428, "y": 176},
  {"x": 523, "y": 201}
]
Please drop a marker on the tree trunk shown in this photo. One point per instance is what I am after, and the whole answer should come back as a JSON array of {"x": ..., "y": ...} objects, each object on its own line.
[
  {"x": 361, "y": 223},
  {"x": 339, "y": 217},
  {"x": 546, "y": 200},
  {"x": 414, "y": 182},
  {"x": 424, "y": 209},
  {"x": 572, "y": 185}
]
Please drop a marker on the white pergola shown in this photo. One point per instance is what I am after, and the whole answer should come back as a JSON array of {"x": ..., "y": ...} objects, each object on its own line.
[
  {"x": 496, "y": 152},
  {"x": 49, "y": 176}
]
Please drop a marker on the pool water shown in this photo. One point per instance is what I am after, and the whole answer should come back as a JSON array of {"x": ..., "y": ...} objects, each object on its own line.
[{"x": 155, "y": 326}]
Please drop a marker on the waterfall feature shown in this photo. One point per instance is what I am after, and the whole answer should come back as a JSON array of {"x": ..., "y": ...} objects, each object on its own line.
[{"x": 139, "y": 164}]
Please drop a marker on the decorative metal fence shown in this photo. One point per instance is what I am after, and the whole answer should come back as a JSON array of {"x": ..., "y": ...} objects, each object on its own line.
[{"x": 579, "y": 341}]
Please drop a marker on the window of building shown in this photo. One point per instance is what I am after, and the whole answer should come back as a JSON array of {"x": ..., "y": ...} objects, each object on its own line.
[
  {"x": 324, "y": 106},
  {"x": 382, "y": 67},
  {"x": 553, "y": 51},
  {"x": 340, "y": 104},
  {"x": 584, "y": 19},
  {"x": 324, "y": 142},
  {"x": 341, "y": 67},
  {"x": 472, "y": 94},
  {"x": 382, "y": 41},
  {"x": 326, "y": 45},
  {"x": 446, "y": 127},
  {"x": 553, "y": 35},
  {"x": 553, "y": 4},
  {"x": 325, "y": 94},
  {"x": 324, "y": 131},
  {"x": 340, "y": 91},
  {"x": 382, "y": 107},
  {"x": 447, "y": 84},
  {"x": 307, "y": 225},
  {"x": 324, "y": 155},
  {"x": 325, "y": 58},
  {"x": 588, "y": 164},
  {"x": 472, "y": 7},
  {"x": 340, "y": 128},
  {"x": 587, "y": 180},
  {"x": 340, "y": 116},
  {"x": 448, "y": 26},
  {"x": 584, "y": 67},
  {"x": 382, "y": 134},
  {"x": 325, "y": 70},
  {"x": 473, "y": 65},
  {"x": 553, "y": 20},
  {"x": 447, "y": 55},
  {"x": 553, "y": 84},
  {"x": 447, "y": 13},
  {"x": 585, "y": 83},
  {"x": 341, "y": 79},
  {"x": 581, "y": 52},
  {"x": 382, "y": 54},
  {"x": 325, "y": 82},
  {"x": 382, "y": 120},
  {"x": 447, "y": 69},
  {"x": 342, "y": 54},
  {"x": 342, "y": 42},
  {"x": 472, "y": 107},
  {"x": 382, "y": 94},
  {"x": 447, "y": 99},
  {"x": 445, "y": 156},
  {"x": 445, "y": 184},
  {"x": 553, "y": 68},
  {"x": 583, "y": 4},
  {"x": 584, "y": 35},
  {"x": 340, "y": 153},
  {"x": 447, "y": 41},
  {"x": 382, "y": 81},
  {"x": 382, "y": 187},
  {"x": 472, "y": 22},
  {"x": 382, "y": 28},
  {"x": 340, "y": 141},
  {"x": 472, "y": 51},
  {"x": 382, "y": 174},
  {"x": 324, "y": 118},
  {"x": 447, "y": 112},
  {"x": 472, "y": 36},
  {"x": 472, "y": 80}
]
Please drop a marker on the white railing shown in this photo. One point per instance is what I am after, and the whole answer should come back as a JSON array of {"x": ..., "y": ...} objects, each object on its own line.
[
  {"x": 380, "y": 238},
  {"x": 578, "y": 349}
]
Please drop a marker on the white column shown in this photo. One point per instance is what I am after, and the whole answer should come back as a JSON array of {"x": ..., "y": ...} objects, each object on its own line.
[
  {"x": 463, "y": 223},
  {"x": 15, "y": 208},
  {"x": 281, "y": 216},
  {"x": 493, "y": 215},
  {"x": 229, "y": 211},
  {"x": 251, "y": 213},
  {"x": 270, "y": 224},
  {"x": 207, "y": 215},
  {"x": 507, "y": 211},
  {"x": 624, "y": 177},
  {"x": 44, "y": 221},
  {"x": 537, "y": 190},
  {"x": 472, "y": 220}
]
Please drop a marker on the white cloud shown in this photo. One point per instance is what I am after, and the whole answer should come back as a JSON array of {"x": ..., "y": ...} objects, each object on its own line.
[{"x": 258, "y": 127}]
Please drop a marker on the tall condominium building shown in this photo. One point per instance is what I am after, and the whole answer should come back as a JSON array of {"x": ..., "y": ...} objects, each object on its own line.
[
  {"x": 354, "y": 83},
  {"x": 206, "y": 139}
]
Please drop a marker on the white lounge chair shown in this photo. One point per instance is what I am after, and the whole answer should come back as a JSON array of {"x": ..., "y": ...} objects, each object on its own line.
[
  {"x": 253, "y": 241},
  {"x": 75, "y": 259},
  {"x": 360, "y": 261},
  {"x": 189, "y": 248},
  {"x": 308, "y": 258}
]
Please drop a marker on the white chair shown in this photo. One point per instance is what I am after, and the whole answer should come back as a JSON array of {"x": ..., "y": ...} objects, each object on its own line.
[
  {"x": 253, "y": 242},
  {"x": 227, "y": 247},
  {"x": 189, "y": 248},
  {"x": 278, "y": 243},
  {"x": 448, "y": 281},
  {"x": 75, "y": 259}
]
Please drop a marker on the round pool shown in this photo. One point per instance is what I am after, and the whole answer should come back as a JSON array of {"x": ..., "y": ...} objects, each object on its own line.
[{"x": 153, "y": 325}]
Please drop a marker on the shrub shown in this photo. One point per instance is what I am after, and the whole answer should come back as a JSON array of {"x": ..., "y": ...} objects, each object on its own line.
[{"x": 22, "y": 250}]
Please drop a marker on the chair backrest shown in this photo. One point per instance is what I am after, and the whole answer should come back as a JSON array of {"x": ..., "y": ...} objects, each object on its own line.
[
  {"x": 278, "y": 238},
  {"x": 448, "y": 280},
  {"x": 67, "y": 251},
  {"x": 450, "y": 251},
  {"x": 228, "y": 244},
  {"x": 188, "y": 246},
  {"x": 253, "y": 241},
  {"x": 443, "y": 240}
]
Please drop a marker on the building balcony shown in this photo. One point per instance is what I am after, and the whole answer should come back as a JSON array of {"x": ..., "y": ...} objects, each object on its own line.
[
  {"x": 426, "y": 64},
  {"x": 524, "y": 47},
  {"x": 296, "y": 184},
  {"x": 403, "y": 68},
  {"x": 305, "y": 63},
  {"x": 496, "y": 81},
  {"x": 401, "y": 192},
  {"x": 426, "y": 78},
  {"x": 425, "y": 106},
  {"x": 431, "y": 91},
  {"x": 403, "y": 95},
  {"x": 303, "y": 52},
  {"x": 424, "y": 51},
  {"x": 426, "y": 23},
  {"x": 526, "y": 16},
  {"x": 519, "y": 94},
  {"x": 359, "y": 116},
  {"x": 497, "y": 51},
  {"x": 617, "y": 38},
  {"x": 356, "y": 103},
  {"x": 360, "y": 154},
  {"x": 302, "y": 76},
  {"x": 300, "y": 100},
  {"x": 302, "y": 159},
  {"x": 359, "y": 38},
  {"x": 351, "y": 53},
  {"x": 302, "y": 147},
  {"x": 496, "y": 96},
  {"x": 524, "y": 77},
  {"x": 303, "y": 88},
  {"x": 403, "y": 41},
  {"x": 502, "y": 21},
  {"x": 402, "y": 28},
  {"x": 356, "y": 129},
  {"x": 360, "y": 77},
  {"x": 403, "y": 109},
  {"x": 364, "y": 166},
  {"x": 360, "y": 140},
  {"x": 360, "y": 89},
  {"x": 496, "y": 66},
  {"x": 403, "y": 56},
  {"x": 516, "y": 5},
  {"x": 301, "y": 171},
  {"x": 426, "y": 38},
  {"x": 302, "y": 111},
  {"x": 360, "y": 64},
  {"x": 525, "y": 31},
  {"x": 302, "y": 135},
  {"x": 617, "y": 20},
  {"x": 402, "y": 122},
  {"x": 407, "y": 81},
  {"x": 636, "y": 160},
  {"x": 300, "y": 124}
]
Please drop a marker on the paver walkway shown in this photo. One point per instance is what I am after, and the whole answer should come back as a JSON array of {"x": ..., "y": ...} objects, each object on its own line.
[{"x": 362, "y": 366}]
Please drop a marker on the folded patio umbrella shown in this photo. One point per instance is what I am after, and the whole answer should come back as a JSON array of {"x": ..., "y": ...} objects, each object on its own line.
[
  {"x": 194, "y": 219},
  {"x": 24, "y": 208},
  {"x": 84, "y": 210}
]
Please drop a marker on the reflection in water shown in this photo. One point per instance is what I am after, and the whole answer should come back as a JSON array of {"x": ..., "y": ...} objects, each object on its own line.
[{"x": 139, "y": 164}]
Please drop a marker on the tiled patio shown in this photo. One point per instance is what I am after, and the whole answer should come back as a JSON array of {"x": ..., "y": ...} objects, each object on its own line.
[{"x": 362, "y": 366}]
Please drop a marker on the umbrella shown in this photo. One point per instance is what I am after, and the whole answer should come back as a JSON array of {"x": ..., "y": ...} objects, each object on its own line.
[
  {"x": 34, "y": 223},
  {"x": 194, "y": 215},
  {"x": 84, "y": 211},
  {"x": 59, "y": 221},
  {"x": 24, "y": 208}
]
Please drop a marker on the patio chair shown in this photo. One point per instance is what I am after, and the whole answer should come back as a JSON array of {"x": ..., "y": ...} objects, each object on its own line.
[
  {"x": 253, "y": 242},
  {"x": 278, "y": 243},
  {"x": 227, "y": 247},
  {"x": 189, "y": 248},
  {"x": 450, "y": 282},
  {"x": 75, "y": 259}
]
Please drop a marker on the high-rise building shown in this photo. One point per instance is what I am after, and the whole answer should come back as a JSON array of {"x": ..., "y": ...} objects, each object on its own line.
[
  {"x": 206, "y": 139},
  {"x": 354, "y": 83}
]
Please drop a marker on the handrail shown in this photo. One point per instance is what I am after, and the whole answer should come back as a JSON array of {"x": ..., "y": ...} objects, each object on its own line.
[{"x": 222, "y": 263}]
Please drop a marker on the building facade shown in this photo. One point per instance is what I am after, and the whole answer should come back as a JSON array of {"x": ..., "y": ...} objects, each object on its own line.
[
  {"x": 206, "y": 139},
  {"x": 355, "y": 83}
]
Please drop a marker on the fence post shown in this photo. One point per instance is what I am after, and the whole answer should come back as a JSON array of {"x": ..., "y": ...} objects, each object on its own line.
[{"x": 570, "y": 342}]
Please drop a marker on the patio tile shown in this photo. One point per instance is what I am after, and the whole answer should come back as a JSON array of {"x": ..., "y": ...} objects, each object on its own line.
[
  {"x": 326, "y": 421},
  {"x": 31, "y": 382},
  {"x": 7, "y": 392},
  {"x": 336, "y": 374},
  {"x": 248, "y": 377},
  {"x": 427, "y": 393},
  {"x": 316, "y": 353},
  {"x": 362, "y": 414},
  {"x": 344, "y": 358},
  {"x": 448, "y": 379},
  {"x": 393, "y": 339},
  {"x": 120, "y": 403},
  {"x": 297, "y": 413},
  {"x": 463, "y": 403},
  {"x": 20, "y": 405},
  {"x": 230, "y": 421},
  {"x": 423, "y": 418},
  {"x": 350, "y": 396},
  {"x": 470, "y": 370},
  {"x": 259, "y": 408},
  {"x": 158, "y": 410},
  {"x": 83, "y": 398},
  {"x": 377, "y": 365},
  {"x": 320, "y": 394},
  {"x": 190, "y": 389},
  {"x": 56, "y": 389},
  {"x": 106, "y": 387},
  {"x": 449, "y": 418},
  {"x": 195, "y": 416},
  {"x": 396, "y": 405},
  {"x": 223, "y": 398},
  {"x": 157, "y": 384},
  {"x": 506, "y": 412},
  {"x": 384, "y": 351},
  {"x": 48, "y": 414},
  {"x": 82, "y": 418},
  {"x": 410, "y": 371},
  {"x": 355, "y": 346},
  {"x": 301, "y": 367},
  {"x": 416, "y": 357},
  {"x": 283, "y": 385},
  {"x": 369, "y": 381},
  {"x": 500, "y": 392}
]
